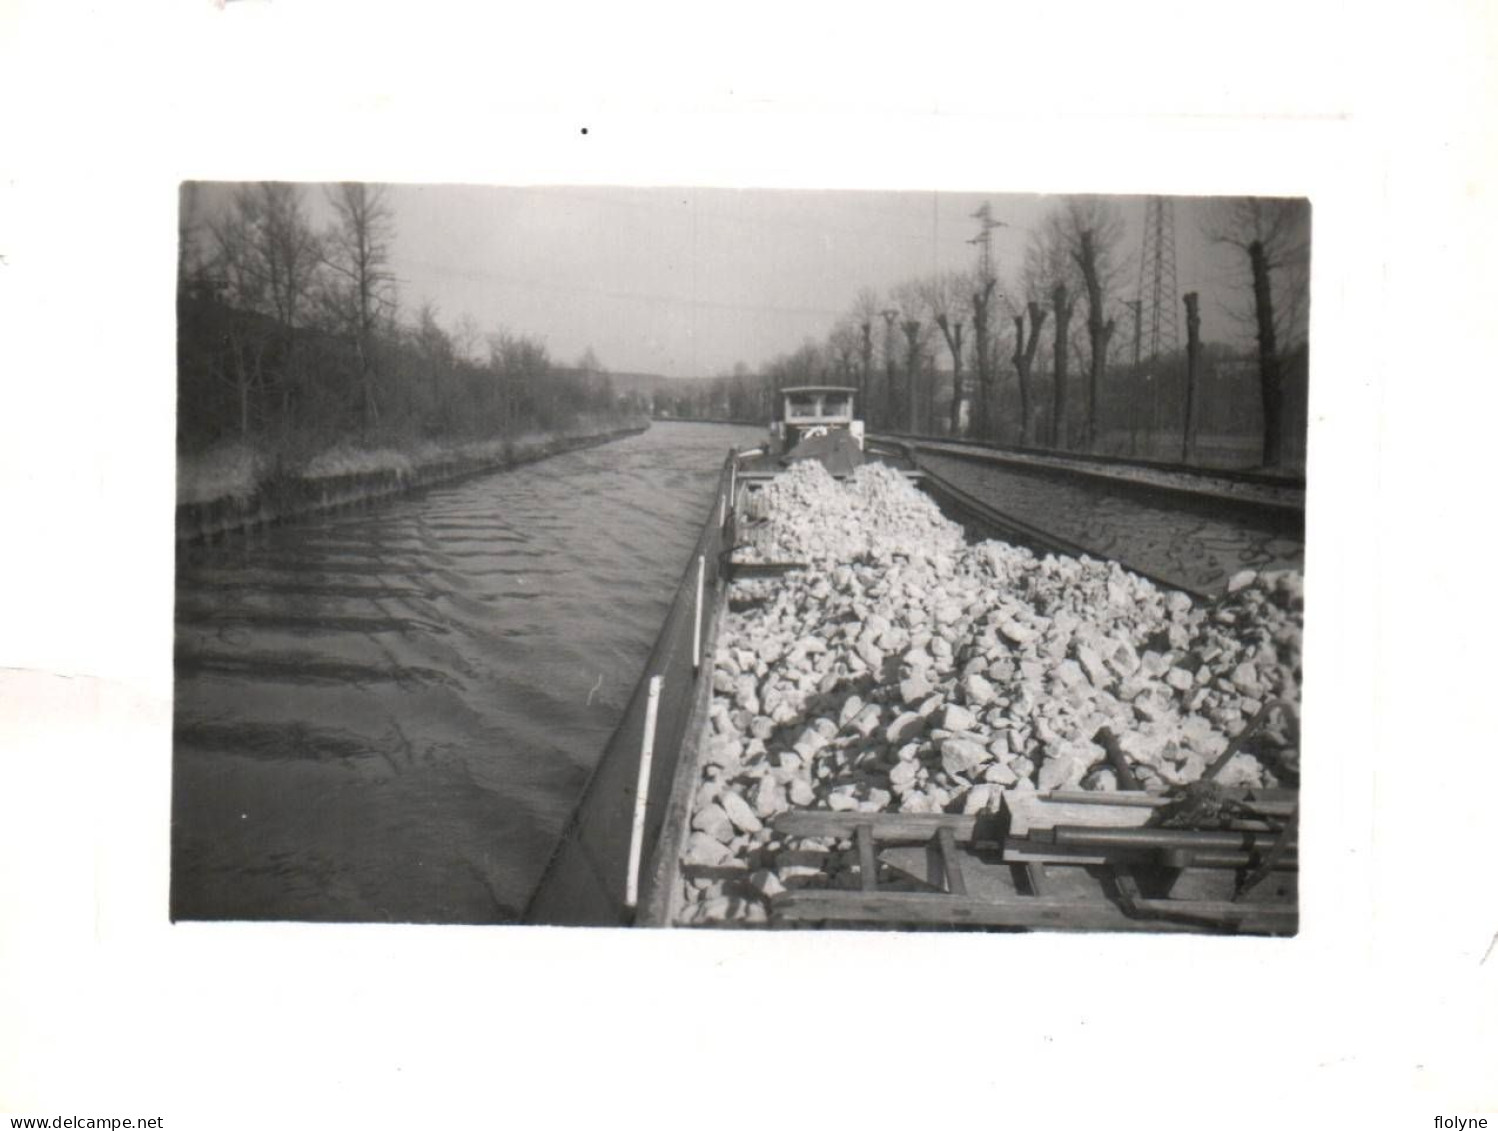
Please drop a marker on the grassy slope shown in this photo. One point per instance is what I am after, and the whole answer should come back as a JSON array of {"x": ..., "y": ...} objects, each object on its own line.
[{"x": 237, "y": 470}]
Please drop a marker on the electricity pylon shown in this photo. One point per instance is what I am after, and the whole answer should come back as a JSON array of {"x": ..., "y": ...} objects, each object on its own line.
[{"x": 1157, "y": 278}]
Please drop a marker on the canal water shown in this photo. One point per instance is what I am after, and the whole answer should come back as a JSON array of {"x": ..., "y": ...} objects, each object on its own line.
[{"x": 388, "y": 715}]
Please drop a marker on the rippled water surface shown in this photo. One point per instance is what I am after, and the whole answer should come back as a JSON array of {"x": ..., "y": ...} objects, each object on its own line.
[
  {"x": 1198, "y": 546},
  {"x": 388, "y": 715}
]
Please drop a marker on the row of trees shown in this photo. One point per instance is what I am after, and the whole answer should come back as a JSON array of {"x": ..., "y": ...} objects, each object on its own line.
[
  {"x": 1053, "y": 357},
  {"x": 292, "y": 337}
]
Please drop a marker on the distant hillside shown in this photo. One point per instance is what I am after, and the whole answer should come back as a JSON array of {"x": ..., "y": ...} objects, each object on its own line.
[{"x": 651, "y": 383}]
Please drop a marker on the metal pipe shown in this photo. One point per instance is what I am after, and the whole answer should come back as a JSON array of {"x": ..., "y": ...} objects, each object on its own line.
[
  {"x": 642, "y": 795},
  {"x": 1215, "y": 858},
  {"x": 1090, "y": 836}
]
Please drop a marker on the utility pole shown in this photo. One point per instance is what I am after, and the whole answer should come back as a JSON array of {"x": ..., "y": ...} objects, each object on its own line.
[
  {"x": 1137, "y": 305},
  {"x": 1193, "y": 364},
  {"x": 986, "y": 283},
  {"x": 984, "y": 240}
]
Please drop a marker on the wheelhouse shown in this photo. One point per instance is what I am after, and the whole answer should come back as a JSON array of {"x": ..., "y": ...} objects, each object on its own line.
[{"x": 807, "y": 411}]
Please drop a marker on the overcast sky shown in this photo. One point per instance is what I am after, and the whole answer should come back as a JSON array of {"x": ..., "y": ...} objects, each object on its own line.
[{"x": 689, "y": 281}]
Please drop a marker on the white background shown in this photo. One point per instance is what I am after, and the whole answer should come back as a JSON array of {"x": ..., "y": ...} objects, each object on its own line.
[{"x": 1380, "y": 1014}]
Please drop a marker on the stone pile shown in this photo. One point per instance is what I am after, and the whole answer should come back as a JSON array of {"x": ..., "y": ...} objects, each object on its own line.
[{"x": 909, "y": 671}]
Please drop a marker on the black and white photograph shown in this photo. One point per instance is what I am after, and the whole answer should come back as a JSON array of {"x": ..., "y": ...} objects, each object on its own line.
[
  {"x": 703, "y": 566},
  {"x": 688, "y": 557}
]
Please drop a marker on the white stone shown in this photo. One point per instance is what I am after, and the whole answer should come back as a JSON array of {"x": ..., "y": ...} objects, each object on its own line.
[
  {"x": 915, "y": 688},
  {"x": 1242, "y": 580},
  {"x": 706, "y": 851},
  {"x": 867, "y": 721},
  {"x": 768, "y": 799},
  {"x": 977, "y": 799},
  {"x": 955, "y": 717},
  {"x": 766, "y": 882},
  {"x": 904, "y": 726},
  {"x": 978, "y": 691},
  {"x": 713, "y": 820},
  {"x": 999, "y": 774},
  {"x": 960, "y": 755},
  {"x": 1016, "y": 633}
]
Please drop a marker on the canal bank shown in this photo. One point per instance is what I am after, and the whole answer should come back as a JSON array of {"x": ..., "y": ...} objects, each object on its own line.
[{"x": 328, "y": 484}]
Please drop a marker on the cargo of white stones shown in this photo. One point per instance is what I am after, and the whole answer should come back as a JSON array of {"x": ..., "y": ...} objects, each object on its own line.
[{"x": 907, "y": 727}]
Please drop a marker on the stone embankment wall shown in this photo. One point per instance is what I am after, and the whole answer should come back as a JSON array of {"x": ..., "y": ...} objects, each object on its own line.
[
  {"x": 908, "y": 671},
  {"x": 287, "y": 497}
]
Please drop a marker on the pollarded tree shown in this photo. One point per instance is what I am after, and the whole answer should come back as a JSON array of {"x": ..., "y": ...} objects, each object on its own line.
[
  {"x": 910, "y": 304},
  {"x": 980, "y": 298},
  {"x": 1274, "y": 235},
  {"x": 1094, "y": 233},
  {"x": 1047, "y": 277},
  {"x": 946, "y": 297},
  {"x": 1024, "y": 360},
  {"x": 363, "y": 293}
]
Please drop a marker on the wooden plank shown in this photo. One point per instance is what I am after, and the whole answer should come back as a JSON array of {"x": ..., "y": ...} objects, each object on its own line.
[
  {"x": 1214, "y": 907},
  {"x": 939, "y": 909},
  {"x": 868, "y": 869},
  {"x": 1019, "y": 812},
  {"x": 888, "y": 828},
  {"x": 951, "y": 862},
  {"x": 1037, "y": 912},
  {"x": 1266, "y": 801}
]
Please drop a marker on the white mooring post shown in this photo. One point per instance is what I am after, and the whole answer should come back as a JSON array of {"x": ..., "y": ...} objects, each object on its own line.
[
  {"x": 722, "y": 510},
  {"x": 697, "y": 616},
  {"x": 642, "y": 795}
]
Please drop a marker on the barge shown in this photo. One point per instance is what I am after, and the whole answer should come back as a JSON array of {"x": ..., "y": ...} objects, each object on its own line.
[{"x": 1003, "y": 852}]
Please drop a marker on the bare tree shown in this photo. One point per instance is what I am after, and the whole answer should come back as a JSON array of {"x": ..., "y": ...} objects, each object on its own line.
[
  {"x": 1094, "y": 232},
  {"x": 910, "y": 298},
  {"x": 435, "y": 349},
  {"x": 1274, "y": 236},
  {"x": 358, "y": 252},
  {"x": 980, "y": 297},
  {"x": 266, "y": 257},
  {"x": 1024, "y": 360},
  {"x": 887, "y": 411},
  {"x": 1047, "y": 278},
  {"x": 466, "y": 339},
  {"x": 843, "y": 342},
  {"x": 865, "y": 311},
  {"x": 946, "y": 296}
]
